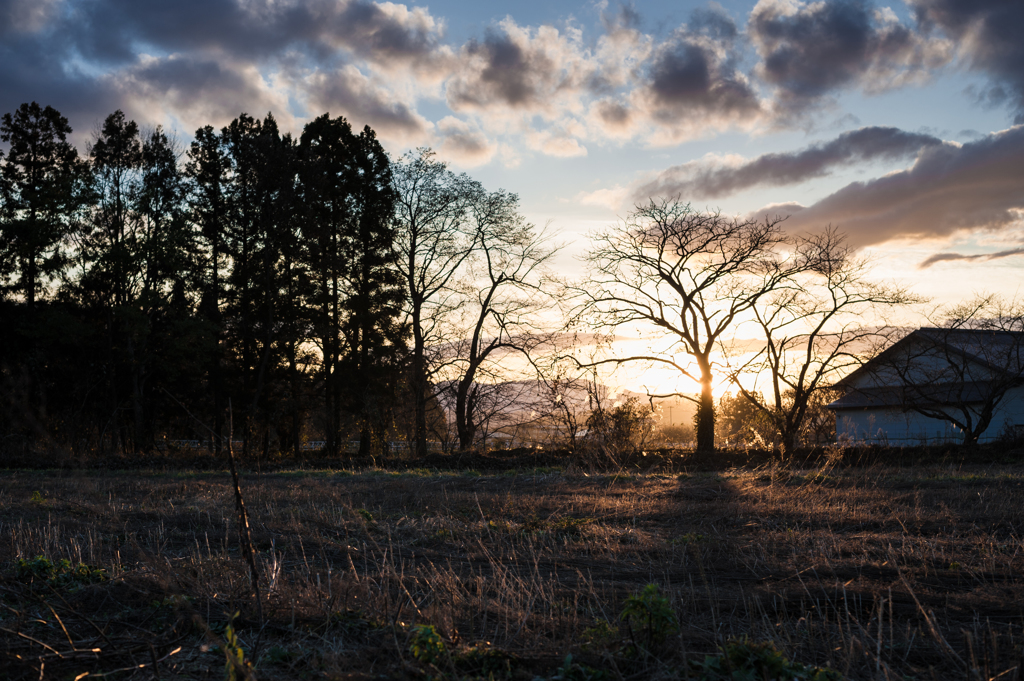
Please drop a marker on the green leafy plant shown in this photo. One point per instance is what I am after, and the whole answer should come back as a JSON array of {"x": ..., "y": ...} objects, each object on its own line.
[
  {"x": 744, "y": 659},
  {"x": 600, "y": 635},
  {"x": 650, "y": 618},
  {"x": 60, "y": 573},
  {"x": 425, "y": 644},
  {"x": 236, "y": 667}
]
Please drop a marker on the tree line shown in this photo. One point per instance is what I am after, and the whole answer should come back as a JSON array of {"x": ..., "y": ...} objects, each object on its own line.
[{"x": 280, "y": 290}]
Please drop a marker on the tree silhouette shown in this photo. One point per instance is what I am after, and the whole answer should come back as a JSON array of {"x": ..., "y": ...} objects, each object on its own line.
[{"x": 46, "y": 187}]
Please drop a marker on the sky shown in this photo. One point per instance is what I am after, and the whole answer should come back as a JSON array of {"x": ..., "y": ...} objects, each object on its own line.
[{"x": 902, "y": 124}]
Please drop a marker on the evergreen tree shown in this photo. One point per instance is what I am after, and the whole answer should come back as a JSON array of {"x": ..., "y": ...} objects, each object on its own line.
[
  {"x": 261, "y": 243},
  {"x": 45, "y": 186},
  {"x": 207, "y": 174},
  {"x": 356, "y": 294},
  {"x": 376, "y": 336}
]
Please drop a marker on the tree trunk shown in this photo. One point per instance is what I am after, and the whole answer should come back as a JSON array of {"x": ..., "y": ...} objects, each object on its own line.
[
  {"x": 464, "y": 416},
  {"x": 419, "y": 390},
  {"x": 706, "y": 414}
]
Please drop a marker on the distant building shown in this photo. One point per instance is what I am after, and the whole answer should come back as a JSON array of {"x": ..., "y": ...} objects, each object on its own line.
[{"x": 936, "y": 385}]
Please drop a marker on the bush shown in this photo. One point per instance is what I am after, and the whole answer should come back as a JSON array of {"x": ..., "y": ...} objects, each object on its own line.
[
  {"x": 616, "y": 434},
  {"x": 745, "y": 659}
]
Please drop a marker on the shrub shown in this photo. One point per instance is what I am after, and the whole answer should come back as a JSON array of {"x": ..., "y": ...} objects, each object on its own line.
[
  {"x": 745, "y": 659},
  {"x": 650, "y": 618},
  {"x": 61, "y": 573},
  {"x": 425, "y": 644}
]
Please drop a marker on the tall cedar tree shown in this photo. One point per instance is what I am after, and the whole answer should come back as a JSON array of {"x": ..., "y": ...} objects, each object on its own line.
[
  {"x": 261, "y": 242},
  {"x": 136, "y": 252},
  {"x": 45, "y": 188},
  {"x": 355, "y": 296},
  {"x": 207, "y": 174}
]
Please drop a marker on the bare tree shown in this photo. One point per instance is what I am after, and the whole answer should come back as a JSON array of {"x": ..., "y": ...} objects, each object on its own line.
[
  {"x": 691, "y": 275},
  {"x": 434, "y": 238},
  {"x": 814, "y": 333},
  {"x": 502, "y": 297},
  {"x": 568, "y": 389},
  {"x": 962, "y": 371}
]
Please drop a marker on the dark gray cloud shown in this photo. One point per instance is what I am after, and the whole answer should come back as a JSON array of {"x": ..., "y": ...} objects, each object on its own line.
[
  {"x": 991, "y": 33},
  {"x": 33, "y": 70},
  {"x": 347, "y": 91},
  {"x": 199, "y": 91},
  {"x": 979, "y": 185},
  {"x": 462, "y": 143},
  {"x": 947, "y": 257},
  {"x": 812, "y": 50},
  {"x": 695, "y": 72},
  {"x": 706, "y": 181},
  {"x": 112, "y": 31},
  {"x": 508, "y": 70},
  {"x": 210, "y": 57}
]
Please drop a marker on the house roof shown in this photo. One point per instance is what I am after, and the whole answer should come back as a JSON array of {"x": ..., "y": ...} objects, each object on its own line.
[
  {"x": 925, "y": 396},
  {"x": 971, "y": 344},
  {"x": 975, "y": 346}
]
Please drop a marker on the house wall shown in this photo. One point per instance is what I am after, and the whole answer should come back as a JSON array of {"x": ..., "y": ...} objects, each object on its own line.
[{"x": 891, "y": 426}]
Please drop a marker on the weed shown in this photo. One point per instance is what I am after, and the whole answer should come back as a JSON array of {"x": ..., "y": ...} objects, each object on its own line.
[
  {"x": 425, "y": 644},
  {"x": 650, "y": 618},
  {"x": 236, "y": 667},
  {"x": 61, "y": 573},
  {"x": 688, "y": 538},
  {"x": 279, "y": 655},
  {"x": 744, "y": 659},
  {"x": 601, "y": 635}
]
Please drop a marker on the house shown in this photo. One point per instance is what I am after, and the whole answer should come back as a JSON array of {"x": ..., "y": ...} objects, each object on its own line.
[{"x": 936, "y": 385}]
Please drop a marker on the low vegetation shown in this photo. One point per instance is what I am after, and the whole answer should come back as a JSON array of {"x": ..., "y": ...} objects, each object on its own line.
[{"x": 877, "y": 572}]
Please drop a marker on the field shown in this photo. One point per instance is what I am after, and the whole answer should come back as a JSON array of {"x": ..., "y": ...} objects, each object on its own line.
[{"x": 879, "y": 572}]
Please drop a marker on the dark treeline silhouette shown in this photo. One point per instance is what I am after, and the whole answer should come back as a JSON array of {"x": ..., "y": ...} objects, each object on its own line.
[
  {"x": 314, "y": 293},
  {"x": 151, "y": 291}
]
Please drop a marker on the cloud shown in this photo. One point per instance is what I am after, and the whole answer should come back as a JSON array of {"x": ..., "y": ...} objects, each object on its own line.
[
  {"x": 349, "y": 92},
  {"x": 21, "y": 16},
  {"x": 714, "y": 179},
  {"x": 464, "y": 144},
  {"x": 197, "y": 91},
  {"x": 519, "y": 69},
  {"x": 113, "y": 30},
  {"x": 809, "y": 51},
  {"x": 950, "y": 187},
  {"x": 612, "y": 198},
  {"x": 989, "y": 35},
  {"x": 214, "y": 56},
  {"x": 547, "y": 89},
  {"x": 555, "y": 142},
  {"x": 691, "y": 85},
  {"x": 946, "y": 257}
]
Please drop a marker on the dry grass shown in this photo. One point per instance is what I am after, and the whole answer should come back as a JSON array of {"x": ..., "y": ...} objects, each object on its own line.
[{"x": 878, "y": 573}]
